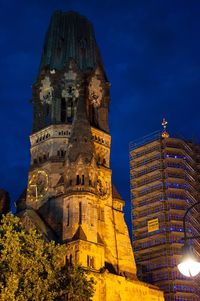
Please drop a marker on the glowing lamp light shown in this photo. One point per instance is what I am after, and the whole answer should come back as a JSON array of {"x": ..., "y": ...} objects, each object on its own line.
[{"x": 189, "y": 267}]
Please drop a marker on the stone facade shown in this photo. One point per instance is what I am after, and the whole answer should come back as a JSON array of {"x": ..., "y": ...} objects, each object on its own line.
[
  {"x": 111, "y": 287},
  {"x": 70, "y": 196}
]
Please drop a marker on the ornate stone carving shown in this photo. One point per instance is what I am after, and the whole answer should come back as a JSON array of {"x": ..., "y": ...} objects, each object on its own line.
[
  {"x": 70, "y": 85},
  {"x": 46, "y": 91},
  {"x": 102, "y": 188},
  {"x": 95, "y": 92}
]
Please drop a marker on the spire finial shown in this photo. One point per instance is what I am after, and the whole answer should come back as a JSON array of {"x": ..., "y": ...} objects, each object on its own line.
[
  {"x": 164, "y": 123},
  {"x": 165, "y": 134}
]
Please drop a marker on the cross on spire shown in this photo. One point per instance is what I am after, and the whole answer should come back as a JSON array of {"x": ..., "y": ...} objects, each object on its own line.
[{"x": 165, "y": 134}]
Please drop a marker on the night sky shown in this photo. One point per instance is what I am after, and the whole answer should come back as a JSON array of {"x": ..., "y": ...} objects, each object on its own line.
[{"x": 151, "y": 53}]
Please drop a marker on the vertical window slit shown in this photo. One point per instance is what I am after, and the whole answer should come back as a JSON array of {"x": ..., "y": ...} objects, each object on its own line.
[
  {"x": 70, "y": 259},
  {"x": 77, "y": 180},
  {"x": 80, "y": 213},
  {"x": 67, "y": 215}
]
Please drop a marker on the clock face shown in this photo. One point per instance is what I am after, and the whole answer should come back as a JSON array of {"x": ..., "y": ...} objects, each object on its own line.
[
  {"x": 71, "y": 91},
  {"x": 102, "y": 188},
  {"x": 37, "y": 185}
]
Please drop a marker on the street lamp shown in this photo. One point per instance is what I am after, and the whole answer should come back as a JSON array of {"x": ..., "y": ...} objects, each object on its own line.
[{"x": 189, "y": 265}]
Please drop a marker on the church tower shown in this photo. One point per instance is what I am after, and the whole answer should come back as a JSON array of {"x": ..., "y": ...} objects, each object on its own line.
[{"x": 70, "y": 196}]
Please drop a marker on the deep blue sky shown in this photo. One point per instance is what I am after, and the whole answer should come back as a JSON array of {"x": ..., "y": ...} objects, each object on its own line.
[{"x": 151, "y": 52}]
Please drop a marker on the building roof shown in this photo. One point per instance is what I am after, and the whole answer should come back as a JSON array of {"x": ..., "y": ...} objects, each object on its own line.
[
  {"x": 115, "y": 193},
  {"x": 80, "y": 234},
  {"x": 38, "y": 223},
  {"x": 70, "y": 36}
]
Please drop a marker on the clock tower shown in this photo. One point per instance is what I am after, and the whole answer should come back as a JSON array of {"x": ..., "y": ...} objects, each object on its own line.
[{"x": 70, "y": 196}]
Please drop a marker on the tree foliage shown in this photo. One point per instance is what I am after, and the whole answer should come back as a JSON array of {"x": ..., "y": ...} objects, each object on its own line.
[{"x": 32, "y": 269}]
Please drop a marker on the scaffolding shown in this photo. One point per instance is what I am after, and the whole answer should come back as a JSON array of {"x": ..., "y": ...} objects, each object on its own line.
[{"x": 164, "y": 182}]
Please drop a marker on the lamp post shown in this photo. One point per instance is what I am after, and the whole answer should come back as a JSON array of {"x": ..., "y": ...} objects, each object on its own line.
[{"x": 189, "y": 265}]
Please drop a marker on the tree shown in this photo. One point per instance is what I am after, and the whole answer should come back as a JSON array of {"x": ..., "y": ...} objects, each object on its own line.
[{"x": 32, "y": 269}]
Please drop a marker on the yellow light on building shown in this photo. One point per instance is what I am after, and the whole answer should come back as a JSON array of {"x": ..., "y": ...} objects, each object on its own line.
[{"x": 153, "y": 225}]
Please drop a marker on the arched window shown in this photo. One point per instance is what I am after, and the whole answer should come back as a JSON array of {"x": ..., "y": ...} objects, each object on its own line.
[{"x": 77, "y": 180}]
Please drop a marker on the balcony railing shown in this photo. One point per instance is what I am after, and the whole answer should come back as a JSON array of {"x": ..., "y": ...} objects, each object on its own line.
[
  {"x": 148, "y": 150},
  {"x": 146, "y": 181},
  {"x": 137, "y": 174},
  {"x": 150, "y": 189},
  {"x": 145, "y": 161}
]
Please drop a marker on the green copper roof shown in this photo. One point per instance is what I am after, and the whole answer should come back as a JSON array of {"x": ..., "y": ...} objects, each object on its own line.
[{"x": 70, "y": 36}]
